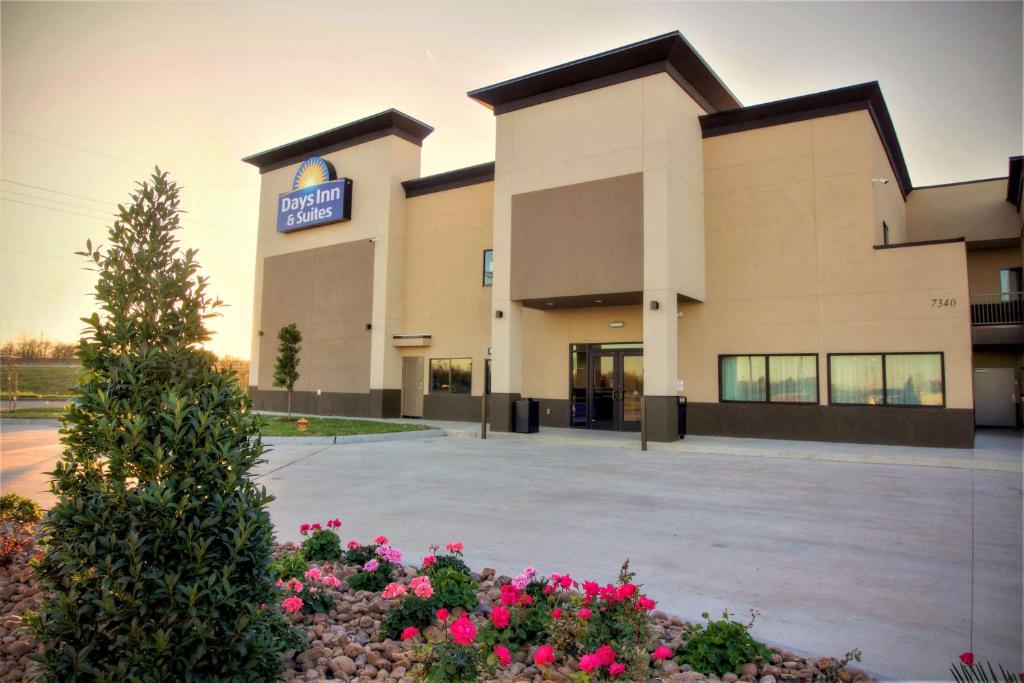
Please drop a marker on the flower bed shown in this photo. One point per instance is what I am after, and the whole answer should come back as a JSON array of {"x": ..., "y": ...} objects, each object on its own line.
[{"x": 440, "y": 621}]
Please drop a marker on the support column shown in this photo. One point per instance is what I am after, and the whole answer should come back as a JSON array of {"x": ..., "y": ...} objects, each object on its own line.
[
  {"x": 661, "y": 335},
  {"x": 506, "y": 331}
]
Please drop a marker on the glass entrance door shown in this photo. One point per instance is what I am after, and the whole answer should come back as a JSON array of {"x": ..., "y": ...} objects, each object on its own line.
[{"x": 616, "y": 385}]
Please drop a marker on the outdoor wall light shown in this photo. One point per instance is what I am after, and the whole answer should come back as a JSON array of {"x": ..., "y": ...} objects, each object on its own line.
[
  {"x": 881, "y": 181},
  {"x": 499, "y": 314},
  {"x": 319, "y": 392},
  {"x": 616, "y": 324},
  {"x": 260, "y": 333},
  {"x": 655, "y": 305},
  {"x": 369, "y": 326}
]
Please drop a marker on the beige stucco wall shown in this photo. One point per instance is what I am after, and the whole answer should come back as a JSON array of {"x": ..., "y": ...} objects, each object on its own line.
[
  {"x": 446, "y": 234},
  {"x": 792, "y": 220},
  {"x": 978, "y": 211},
  {"x": 983, "y": 266},
  {"x": 378, "y": 206},
  {"x": 649, "y": 126}
]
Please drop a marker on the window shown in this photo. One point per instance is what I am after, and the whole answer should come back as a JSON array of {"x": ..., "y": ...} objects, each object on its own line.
[
  {"x": 893, "y": 379},
  {"x": 885, "y": 233},
  {"x": 769, "y": 378},
  {"x": 451, "y": 375},
  {"x": 488, "y": 267},
  {"x": 1010, "y": 281}
]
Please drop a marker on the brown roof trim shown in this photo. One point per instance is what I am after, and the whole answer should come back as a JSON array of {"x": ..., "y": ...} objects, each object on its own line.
[
  {"x": 449, "y": 180},
  {"x": 669, "y": 53},
  {"x": 828, "y": 103},
  {"x": 959, "y": 182},
  {"x": 1013, "y": 181},
  {"x": 922, "y": 243},
  {"x": 390, "y": 122}
]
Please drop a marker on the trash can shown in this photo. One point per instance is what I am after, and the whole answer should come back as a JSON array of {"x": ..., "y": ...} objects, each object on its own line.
[
  {"x": 526, "y": 416},
  {"x": 681, "y": 416}
]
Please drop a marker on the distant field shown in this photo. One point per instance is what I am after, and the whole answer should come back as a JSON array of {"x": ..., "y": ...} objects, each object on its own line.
[
  {"x": 47, "y": 413},
  {"x": 40, "y": 381}
]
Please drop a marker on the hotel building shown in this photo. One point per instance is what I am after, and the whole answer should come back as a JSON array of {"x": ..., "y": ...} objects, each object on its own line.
[{"x": 640, "y": 233}]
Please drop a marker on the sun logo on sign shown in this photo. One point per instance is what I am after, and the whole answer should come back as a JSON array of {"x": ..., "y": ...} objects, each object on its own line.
[{"x": 312, "y": 171}]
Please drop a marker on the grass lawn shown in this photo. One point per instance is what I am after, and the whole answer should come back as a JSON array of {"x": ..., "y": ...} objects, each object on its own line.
[
  {"x": 333, "y": 426},
  {"x": 48, "y": 412},
  {"x": 40, "y": 381}
]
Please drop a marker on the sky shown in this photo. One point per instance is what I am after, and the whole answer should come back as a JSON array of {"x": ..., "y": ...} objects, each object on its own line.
[{"x": 92, "y": 95}]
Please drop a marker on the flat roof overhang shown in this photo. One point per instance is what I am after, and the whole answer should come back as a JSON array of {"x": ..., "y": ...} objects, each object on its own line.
[
  {"x": 390, "y": 122},
  {"x": 866, "y": 96},
  {"x": 669, "y": 53}
]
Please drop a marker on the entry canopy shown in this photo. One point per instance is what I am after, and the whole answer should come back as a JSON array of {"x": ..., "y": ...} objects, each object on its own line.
[{"x": 669, "y": 53}]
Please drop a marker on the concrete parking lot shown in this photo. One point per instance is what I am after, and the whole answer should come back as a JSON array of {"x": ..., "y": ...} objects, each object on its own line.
[{"x": 913, "y": 564}]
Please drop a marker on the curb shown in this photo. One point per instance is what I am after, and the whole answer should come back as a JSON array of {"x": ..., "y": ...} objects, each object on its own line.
[{"x": 354, "y": 438}]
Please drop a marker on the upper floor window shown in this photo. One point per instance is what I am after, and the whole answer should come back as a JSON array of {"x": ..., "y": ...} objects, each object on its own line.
[
  {"x": 769, "y": 378},
  {"x": 880, "y": 379},
  {"x": 885, "y": 233},
  {"x": 1010, "y": 280},
  {"x": 488, "y": 267},
  {"x": 451, "y": 375}
]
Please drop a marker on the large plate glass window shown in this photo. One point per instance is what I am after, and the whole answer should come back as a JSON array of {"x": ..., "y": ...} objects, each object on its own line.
[
  {"x": 765, "y": 378},
  {"x": 451, "y": 375},
  {"x": 894, "y": 379}
]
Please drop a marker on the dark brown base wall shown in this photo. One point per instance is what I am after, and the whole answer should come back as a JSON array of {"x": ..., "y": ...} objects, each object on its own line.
[
  {"x": 376, "y": 403},
  {"x": 890, "y": 425},
  {"x": 662, "y": 418},
  {"x": 500, "y": 410},
  {"x": 457, "y": 407}
]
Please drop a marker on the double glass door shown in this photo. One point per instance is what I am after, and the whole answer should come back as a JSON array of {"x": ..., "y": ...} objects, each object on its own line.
[{"x": 616, "y": 385}]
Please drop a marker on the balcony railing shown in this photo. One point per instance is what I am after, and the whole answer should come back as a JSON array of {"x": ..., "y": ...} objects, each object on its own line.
[{"x": 997, "y": 309}]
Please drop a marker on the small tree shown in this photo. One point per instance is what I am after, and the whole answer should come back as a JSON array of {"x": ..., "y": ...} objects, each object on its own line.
[
  {"x": 157, "y": 552},
  {"x": 286, "y": 369}
]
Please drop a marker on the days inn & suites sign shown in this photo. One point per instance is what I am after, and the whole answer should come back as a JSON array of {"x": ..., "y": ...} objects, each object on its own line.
[{"x": 317, "y": 198}]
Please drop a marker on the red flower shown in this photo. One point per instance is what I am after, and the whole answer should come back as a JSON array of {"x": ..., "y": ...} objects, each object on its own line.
[
  {"x": 591, "y": 588},
  {"x": 626, "y": 591},
  {"x": 381, "y": 540},
  {"x": 410, "y": 632},
  {"x": 500, "y": 616},
  {"x": 605, "y": 654},
  {"x": 304, "y": 529},
  {"x": 661, "y": 653},
  {"x": 316, "y": 527},
  {"x": 565, "y": 581},
  {"x": 589, "y": 662},
  {"x": 503, "y": 654},
  {"x": 616, "y": 669},
  {"x": 967, "y": 658},
  {"x": 462, "y": 630},
  {"x": 584, "y": 614},
  {"x": 442, "y": 615},
  {"x": 544, "y": 655},
  {"x": 352, "y": 545},
  {"x": 549, "y": 589},
  {"x": 509, "y": 595},
  {"x": 556, "y": 613},
  {"x": 644, "y": 603},
  {"x": 526, "y": 599}
]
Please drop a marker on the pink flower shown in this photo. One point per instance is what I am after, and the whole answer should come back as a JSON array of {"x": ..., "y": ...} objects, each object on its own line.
[
  {"x": 313, "y": 589},
  {"x": 352, "y": 545},
  {"x": 526, "y": 599},
  {"x": 521, "y": 581},
  {"x": 334, "y": 524},
  {"x": 509, "y": 595},
  {"x": 332, "y": 581},
  {"x": 549, "y": 589},
  {"x": 591, "y": 588},
  {"x": 589, "y": 662},
  {"x": 462, "y": 630},
  {"x": 454, "y": 547},
  {"x": 317, "y": 527},
  {"x": 500, "y": 616},
  {"x": 279, "y": 583},
  {"x": 428, "y": 560},
  {"x": 442, "y": 615},
  {"x": 503, "y": 655},
  {"x": 661, "y": 653},
  {"x": 556, "y": 613},
  {"x": 967, "y": 658},
  {"x": 605, "y": 654},
  {"x": 544, "y": 655},
  {"x": 371, "y": 566},
  {"x": 616, "y": 669},
  {"x": 644, "y": 603},
  {"x": 292, "y": 604},
  {"x": 304, "y": 529},
  {"x": 421, "y": 586},
  {"x": 393, "y": 590},
  {"x": 295, "y": 585},
  {"x": 381, "y": 540},
  {"x": 584, "y": 613},
  {"x": 626, "y": 591},
  {"x": 529, "y": 571},
  {"x": 565, "y": 582},
  {"x": 410, "y": 632},
  {"x": 389, "y": 554},
  {"x": 313, "y": 574}
]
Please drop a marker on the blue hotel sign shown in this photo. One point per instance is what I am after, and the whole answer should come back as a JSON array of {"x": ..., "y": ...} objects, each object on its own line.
[{"x": 317, "y": 198}]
